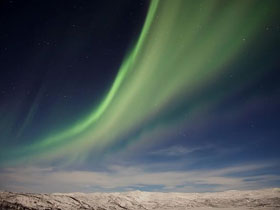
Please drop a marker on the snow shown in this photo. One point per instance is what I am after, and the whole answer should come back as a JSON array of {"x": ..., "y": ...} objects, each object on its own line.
[{"x": 267, "y": 199}]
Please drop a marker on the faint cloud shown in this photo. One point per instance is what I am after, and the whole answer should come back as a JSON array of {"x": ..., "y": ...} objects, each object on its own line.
[
  {"x": 120, "y": 178},
  {"x": 176, "y": 150}
]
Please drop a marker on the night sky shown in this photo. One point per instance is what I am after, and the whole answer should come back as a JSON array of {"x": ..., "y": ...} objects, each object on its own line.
[{"x": 159, "y": 95}]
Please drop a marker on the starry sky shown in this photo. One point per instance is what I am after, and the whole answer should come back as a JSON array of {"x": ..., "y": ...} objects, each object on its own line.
[{"x": 151, "y": 95}]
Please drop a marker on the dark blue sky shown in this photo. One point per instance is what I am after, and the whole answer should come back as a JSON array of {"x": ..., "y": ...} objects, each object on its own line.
[{"x": 191, "y": 112}]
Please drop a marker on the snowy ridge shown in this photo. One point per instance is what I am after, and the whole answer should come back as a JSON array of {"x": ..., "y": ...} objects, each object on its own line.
[{"x": 255, "y": 199}]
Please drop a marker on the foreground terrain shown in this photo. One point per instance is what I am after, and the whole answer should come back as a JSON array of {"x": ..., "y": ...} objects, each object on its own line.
[{"x": 268, "y": 199}]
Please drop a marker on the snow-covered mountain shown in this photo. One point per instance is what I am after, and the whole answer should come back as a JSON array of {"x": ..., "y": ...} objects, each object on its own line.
[{"x": 268, "y": 199}]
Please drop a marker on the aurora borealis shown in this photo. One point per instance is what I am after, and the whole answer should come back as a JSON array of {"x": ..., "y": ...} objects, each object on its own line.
[{"x": 179, "y": 87}]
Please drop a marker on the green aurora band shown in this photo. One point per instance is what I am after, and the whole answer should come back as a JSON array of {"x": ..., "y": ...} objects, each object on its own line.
[{"x": 183, "y": 46}]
